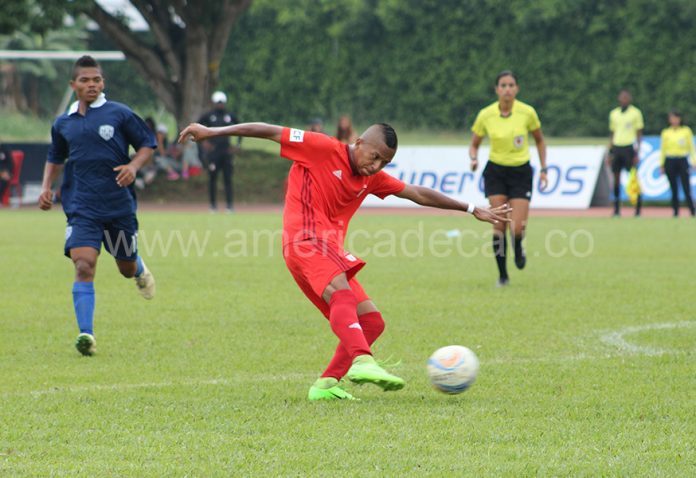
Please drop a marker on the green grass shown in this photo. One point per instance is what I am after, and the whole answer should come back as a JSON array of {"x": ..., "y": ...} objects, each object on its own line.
[
  {"x": 19, "y": 128},
  {"x": 587, "y": 363}
]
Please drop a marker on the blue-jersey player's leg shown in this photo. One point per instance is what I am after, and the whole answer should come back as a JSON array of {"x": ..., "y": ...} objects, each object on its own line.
[
  {"x": 82, "y": 246},
  {"x": 121, "y": 241}
]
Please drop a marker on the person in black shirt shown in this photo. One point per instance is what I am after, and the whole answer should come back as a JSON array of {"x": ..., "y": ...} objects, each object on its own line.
[{"x": 217, "y": 152}]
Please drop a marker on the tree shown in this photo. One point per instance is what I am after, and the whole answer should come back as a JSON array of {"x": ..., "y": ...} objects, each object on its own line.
[{"x": 180, "y": 58}]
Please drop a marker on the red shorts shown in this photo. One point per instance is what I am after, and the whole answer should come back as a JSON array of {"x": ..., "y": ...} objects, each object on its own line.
[{"x": 315, "y": 263}]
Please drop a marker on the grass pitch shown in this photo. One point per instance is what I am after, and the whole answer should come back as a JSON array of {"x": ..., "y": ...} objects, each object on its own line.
[{"x": 587, "y": 358}]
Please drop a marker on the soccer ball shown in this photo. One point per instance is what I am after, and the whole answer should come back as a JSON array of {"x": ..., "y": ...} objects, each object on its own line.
[{"x": 453, "y": 369}]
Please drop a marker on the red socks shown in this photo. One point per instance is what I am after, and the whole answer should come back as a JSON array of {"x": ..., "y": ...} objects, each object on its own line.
[
  {"x": 343, "y": 317},
  {"x": 372, "y": 327}
]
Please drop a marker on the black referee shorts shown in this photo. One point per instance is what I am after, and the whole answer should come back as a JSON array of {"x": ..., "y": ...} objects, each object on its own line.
[
  {"x": 622, "y": 158},
  {"x": 515, "y": 182}
]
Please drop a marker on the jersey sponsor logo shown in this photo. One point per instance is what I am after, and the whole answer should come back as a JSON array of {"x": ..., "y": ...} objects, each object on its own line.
[
  {"x": 296, "y": 135},
  {"x": 106, "y": 131},
  {"x": 518, "y": 141},
  {"x": 338, "y": 174}
]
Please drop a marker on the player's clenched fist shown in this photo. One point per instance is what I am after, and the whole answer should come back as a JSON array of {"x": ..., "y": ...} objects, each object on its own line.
[{"x": 46, "y": 199}]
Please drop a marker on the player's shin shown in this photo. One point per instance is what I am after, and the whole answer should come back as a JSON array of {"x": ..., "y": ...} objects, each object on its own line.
[
  {"x": 84, "y": 301},
  {"x": 499, "y": 251},
  {"x": 343, "y": 317},
  {"x": 372, "y": 325}
]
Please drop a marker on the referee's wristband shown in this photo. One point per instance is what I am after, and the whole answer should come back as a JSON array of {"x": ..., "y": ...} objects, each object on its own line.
[
  {"x": 471, "y": 208},
  {"x": 544, "y": 170}
]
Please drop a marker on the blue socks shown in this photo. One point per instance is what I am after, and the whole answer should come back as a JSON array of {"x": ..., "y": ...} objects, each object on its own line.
[
  {"x": 83, "y": 300},
  {"x": 139, "y": 264}
]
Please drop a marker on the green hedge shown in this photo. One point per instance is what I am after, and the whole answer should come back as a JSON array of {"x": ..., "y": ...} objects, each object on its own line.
[{"x": 431, "y": 63}]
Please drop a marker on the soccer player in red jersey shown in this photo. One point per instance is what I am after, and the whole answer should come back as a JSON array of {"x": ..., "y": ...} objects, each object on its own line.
[{"x": 327, "y": 183}]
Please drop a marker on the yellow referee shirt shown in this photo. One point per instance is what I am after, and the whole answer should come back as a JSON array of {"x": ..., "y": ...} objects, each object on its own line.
[
  {"x": 625, "y": 125},
  {"x": 677, "y": 142},
  {"x": 509, "y": 136}
]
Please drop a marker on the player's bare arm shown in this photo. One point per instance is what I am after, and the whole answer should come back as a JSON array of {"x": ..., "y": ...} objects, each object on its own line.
[
  {"x": 541, "y": 149},
  {"x": 429, "y": 197},
  {"x": 51, "y": 172},
  {"x": 198, "y": 132},
  {"x": 126, "y": 172},
  {"x": 473, "y": 150}
]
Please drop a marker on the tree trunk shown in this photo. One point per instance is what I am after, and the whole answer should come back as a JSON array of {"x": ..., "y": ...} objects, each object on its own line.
[{"x": 182, "y": 67}]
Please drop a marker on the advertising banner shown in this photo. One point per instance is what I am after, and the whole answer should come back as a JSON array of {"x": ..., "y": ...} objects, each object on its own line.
[{"x": 572, "y": 175}]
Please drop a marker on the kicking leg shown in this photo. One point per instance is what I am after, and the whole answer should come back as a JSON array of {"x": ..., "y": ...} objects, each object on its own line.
[{"x": 372, "y": 325}]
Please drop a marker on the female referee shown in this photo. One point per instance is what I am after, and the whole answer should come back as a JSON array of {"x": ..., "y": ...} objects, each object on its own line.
[
  {"x": 677, "y": 144},
  {"x": 508, "y": 176}
]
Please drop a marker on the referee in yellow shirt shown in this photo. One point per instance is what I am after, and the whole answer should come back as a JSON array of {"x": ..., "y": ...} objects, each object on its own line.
[
  {"x": 508, "y": 175},
  {"x": 626, "y": 126},
  {"x": 677, "y": 144}
]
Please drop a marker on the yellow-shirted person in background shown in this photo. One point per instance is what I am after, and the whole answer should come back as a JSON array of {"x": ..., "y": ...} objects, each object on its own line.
[
  {"x": 626, "y": 126},
  {"x": 508, "y": 176},
  {"x": 677, "y": 147}
]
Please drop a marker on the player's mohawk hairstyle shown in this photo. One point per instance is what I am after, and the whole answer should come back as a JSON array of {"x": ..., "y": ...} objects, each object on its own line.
[
  {"x": 85, "y": 61},
  {"x": 390, "y": 138}
]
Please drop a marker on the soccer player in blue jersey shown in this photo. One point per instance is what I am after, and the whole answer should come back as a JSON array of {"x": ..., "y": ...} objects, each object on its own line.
[{"x": 97, "y": 192}]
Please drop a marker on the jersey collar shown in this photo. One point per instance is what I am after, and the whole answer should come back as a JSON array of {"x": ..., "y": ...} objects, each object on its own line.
[
  {"x": 101, "y": 99},
  {"x": 512, "y": 109}
]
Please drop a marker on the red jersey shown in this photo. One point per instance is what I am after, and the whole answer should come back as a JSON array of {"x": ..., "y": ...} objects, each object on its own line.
[{"x": 323, "y": 193}]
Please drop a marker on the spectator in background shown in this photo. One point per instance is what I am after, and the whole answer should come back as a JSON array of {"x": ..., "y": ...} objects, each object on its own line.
[
  {"x": 217, "y": 152},
  {"x": 165, "y": 156},
  {"x": 190, "y": 163},
  {"x": 344, "y": 131},
  {"x": 6, "y": 168},
  {"x": 626, "y": 126},
  {"x": 677, "y": 144}
]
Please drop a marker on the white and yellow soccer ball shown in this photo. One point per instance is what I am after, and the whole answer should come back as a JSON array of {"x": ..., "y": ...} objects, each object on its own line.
[{"x": 453, "y": 369}]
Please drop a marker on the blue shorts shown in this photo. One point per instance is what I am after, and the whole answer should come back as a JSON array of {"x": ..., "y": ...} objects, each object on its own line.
[{"x": 119, "y": 235}]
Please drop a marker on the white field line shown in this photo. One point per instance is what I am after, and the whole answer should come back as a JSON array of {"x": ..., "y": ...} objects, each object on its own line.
[{"x": 615, "y": 339}]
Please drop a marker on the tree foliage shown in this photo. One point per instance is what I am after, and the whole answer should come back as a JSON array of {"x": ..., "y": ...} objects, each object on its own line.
[
  {"x": 432, "y": 63},
  {"x": 181, "y": 55}
]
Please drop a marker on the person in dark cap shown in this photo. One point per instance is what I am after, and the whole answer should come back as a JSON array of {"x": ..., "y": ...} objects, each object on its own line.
[{"x": 217, "y": 153}]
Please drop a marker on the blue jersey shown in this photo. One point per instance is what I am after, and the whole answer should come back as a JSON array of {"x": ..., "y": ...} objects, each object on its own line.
[{"x": 95, "y": 144}]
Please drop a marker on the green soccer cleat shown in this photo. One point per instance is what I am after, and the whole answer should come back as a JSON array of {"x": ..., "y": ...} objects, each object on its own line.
[
  {"x": 366, "y": 370},
  {"x": 327, "y": 388},
  {"x": 86, "y": 344}
]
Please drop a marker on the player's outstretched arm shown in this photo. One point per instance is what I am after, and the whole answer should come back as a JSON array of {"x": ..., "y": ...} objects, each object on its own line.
[
  {"x": 428, "y": 197},
  {"x": 51, "y": 172},
  {"x": 198, "y": 132}
]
